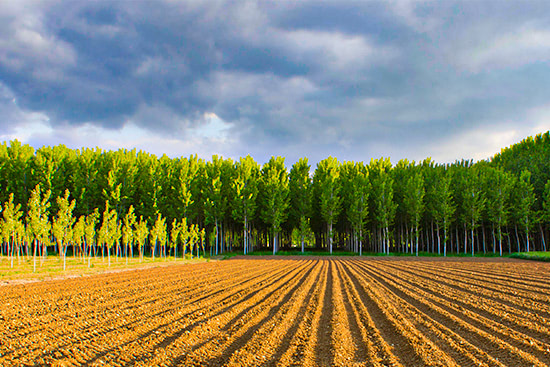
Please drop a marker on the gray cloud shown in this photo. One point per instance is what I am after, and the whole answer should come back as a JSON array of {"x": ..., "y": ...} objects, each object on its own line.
[{"x": 350, "y": 79}]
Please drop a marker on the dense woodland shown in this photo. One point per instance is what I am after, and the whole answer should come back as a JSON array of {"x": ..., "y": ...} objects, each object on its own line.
[{"x": 126, "y": 202}]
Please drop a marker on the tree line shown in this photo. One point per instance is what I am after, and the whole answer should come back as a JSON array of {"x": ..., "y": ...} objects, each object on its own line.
[{"x": 128, "y": 200}]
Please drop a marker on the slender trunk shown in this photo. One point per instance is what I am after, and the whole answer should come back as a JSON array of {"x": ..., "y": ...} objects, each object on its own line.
[
  {"x": 245, "y": 239},
  {"x": 217, "y": 236},
  {"x": 499, "y": 231},
  {"x": 360, "y": 241},
  {"x": 472, "y": 233},
  {"x": 527, "y": 236},
  {"x": 416, "y": 232},
  {"x": 483, "y": 234},
  {"x": 542, "y": 236},
  {"x": 517, "y": 237},
  {"x": 465, "y": 240},
  {"x": 36, "y": 244},
  {"x": 387, "y": 239},
  {"x": 65, "y": 255},
  {"x": 457, "y": 240},
  {"x": 438, "y": 240},
  {"x": 330, "y": 236},
  {"x": 433, "y": 242},
  {"x": 494, "y": 239},
  {"x": 509, "y": 240},
  {"x": 445, "y": 238},
  {"x": 407, "y": 237}
]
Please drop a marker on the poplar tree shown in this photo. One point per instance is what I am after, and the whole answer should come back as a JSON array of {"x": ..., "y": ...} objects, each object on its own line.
[
  {"x": 327, "y": 179},
  {"x": 78, "y": 236},
  {"x": 498, "y": 186},
  {"x": 12, "y": 215},
  {"x": 128, "y": 231},
  {"x": 174, "y": 237},
  {"x": 414, "y": 200},
  {"x": 141, "y": 233},
  {"x": 158, "y": 234},
  {"x": 274, "y": 189},
  {"x": 108, "y": 231},
  {"x": 525, "y": 202},
  {"x": 63, "y": 224},
  {"x": 473, "y": 202},
  {"x": 212, "y": 191},
  {"x": 193, "y": 238},
  {"x": 245, "y": 191},
  {"x": 90, "y": 233},
  {"x": 443, "y": 206},
  {"x": 183, "y": 234},
  {"x": 300, "y": 192},
  {"x": 37, "y": 219},
  {"x": 384, "y": 206},
  {"x": 357, "y": 193}
]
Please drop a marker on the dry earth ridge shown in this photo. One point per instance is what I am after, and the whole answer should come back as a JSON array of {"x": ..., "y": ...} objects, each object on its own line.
[{"x": 286, "y": 312}]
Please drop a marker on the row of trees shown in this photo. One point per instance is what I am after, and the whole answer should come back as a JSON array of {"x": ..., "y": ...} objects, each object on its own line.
[
  {"x": 33, "y": 234},
  {"x": 497, "y": 205}
]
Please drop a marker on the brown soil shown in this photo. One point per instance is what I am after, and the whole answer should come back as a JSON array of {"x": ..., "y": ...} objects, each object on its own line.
[{"x": 282, "y": 311}]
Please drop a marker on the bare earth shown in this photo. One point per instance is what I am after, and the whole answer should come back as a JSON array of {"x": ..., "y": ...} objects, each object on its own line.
[{"x": 286, "y": 311}]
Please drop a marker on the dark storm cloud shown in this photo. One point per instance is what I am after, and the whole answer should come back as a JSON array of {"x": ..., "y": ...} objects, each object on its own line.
[{"x": 351, "y": 79}]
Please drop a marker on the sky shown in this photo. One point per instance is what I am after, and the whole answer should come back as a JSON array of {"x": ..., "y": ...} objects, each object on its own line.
[{"x": 350, "y": 79}]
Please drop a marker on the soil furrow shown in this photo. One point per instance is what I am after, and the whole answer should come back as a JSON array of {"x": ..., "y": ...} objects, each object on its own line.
[
  {"x": 270, "y": 337},
  {"x": 513, "y": 304},
  {"x": 286, "y": 311},
  {"x": 408, "y": 349},
  {"x": 445, "y": 313},
  {"x": 521, "y": 322},
  {"x": 232, "y": 332}
]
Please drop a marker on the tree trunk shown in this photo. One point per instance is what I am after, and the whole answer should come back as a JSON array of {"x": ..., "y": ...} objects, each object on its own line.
[
  {"x": 445, "y": 239},
  {"x": 438, "y": 240},
  {"x": 494, "y": 239},
  {"x": 527, "y": 236},
  {"x": 517, "y": 237},
  {"x": 433, "y": 239},
  {"x": 472, "y": 233},
  {"x": 483, "y": 237},
  {"x": 416, "y": 233},
  {"x": 542, "y": 236},
  {"x": 217, "y": 236},
  {"x": 330, "y": 236},
  {"x": 465, "y": 240},
  {"x": 34, "y": 256},
  {"x": 499, "y": 229},
  {"x": 360, "y": 241}
]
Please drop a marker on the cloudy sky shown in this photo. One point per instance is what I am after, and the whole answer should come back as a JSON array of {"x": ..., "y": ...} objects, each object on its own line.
[{"x": 355, "y": 80}]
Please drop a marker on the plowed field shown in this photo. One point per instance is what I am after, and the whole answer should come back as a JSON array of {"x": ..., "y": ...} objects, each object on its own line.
[{"x": 281, "y": 311}]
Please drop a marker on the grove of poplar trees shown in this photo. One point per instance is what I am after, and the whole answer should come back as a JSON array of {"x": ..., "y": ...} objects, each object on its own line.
[{"x": 126, "y": 202}]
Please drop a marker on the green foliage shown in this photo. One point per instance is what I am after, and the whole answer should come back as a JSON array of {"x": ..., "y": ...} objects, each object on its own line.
[
  {"x": 244, "y": 194},
  {"x": 38, "y": 223},
  {"x": 62, "y": 227},
  {"x": 382, "y": 192},
  {"x": 238, "y": 200},
  {"x": 128, "y": 227},
  {"x": 90, "y": 227},
  {"x": 108, "y": 233},
  {"x": 11, "y": 214},
  {"x": 141, "y": 233},
  {"x": 274, "y": 186}
]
